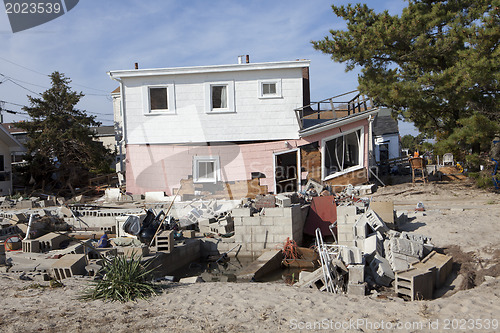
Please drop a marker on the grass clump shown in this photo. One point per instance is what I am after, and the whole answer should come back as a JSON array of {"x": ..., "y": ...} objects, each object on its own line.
[{"x": 122, "y": 280}]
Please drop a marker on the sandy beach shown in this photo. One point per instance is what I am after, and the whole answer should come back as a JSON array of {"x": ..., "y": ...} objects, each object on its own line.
[{"x": 462, "y": 221}]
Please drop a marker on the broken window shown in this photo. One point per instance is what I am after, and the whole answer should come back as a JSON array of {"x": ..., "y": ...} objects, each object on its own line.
[
  {"x": 342, "y": 152},
  {"x": 219, "y": 97},
  {"x": 205, "y": 169},
  {"x": 158, "y": 98}
]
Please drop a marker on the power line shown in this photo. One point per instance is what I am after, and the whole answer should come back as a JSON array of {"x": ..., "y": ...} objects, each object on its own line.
[{"x": 37, "y": 72}]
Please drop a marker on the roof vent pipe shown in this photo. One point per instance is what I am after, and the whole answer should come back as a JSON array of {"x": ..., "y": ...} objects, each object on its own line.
[
  {"x": 136, "y": 65},
  {"x": 243, "y": 59}
]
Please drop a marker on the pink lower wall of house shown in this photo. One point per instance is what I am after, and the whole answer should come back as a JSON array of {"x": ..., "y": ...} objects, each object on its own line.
[{"x": 162, "y": 167}]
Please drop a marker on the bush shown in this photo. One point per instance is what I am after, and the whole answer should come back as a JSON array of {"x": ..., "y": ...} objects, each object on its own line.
[{"x": 122, "y": 280}]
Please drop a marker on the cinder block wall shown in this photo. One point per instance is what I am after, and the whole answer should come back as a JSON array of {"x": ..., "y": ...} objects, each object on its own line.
[{"x": 269, "y": 230}]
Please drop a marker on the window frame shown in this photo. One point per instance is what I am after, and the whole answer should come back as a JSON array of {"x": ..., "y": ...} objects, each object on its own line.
[
  {"x": 170, "y": 87},
  {"x": 196, "y": 169},
  {"x": 230, "y": 97},
  {"x": 278, "y": 93},
  {"x": 349, "y": 169}
]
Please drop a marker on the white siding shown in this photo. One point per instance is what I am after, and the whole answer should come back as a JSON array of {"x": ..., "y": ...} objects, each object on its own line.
[{"x": 254, "y": 119}]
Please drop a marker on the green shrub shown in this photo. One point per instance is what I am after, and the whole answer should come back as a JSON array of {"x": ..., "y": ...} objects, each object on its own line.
[{"x": 122, "y": 280}]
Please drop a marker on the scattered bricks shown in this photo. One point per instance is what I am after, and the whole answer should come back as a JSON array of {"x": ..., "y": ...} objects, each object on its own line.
[
  {"x": 31, "y": 245},
  {"x": 415, "y": 283},
  {"x": 164, "y": 241},
  {"x": 188, "y": 234},
  {"x": 356, "y": 274},
  {"x": 283, "y": 201},
  {"x": 381, "y": 270},
  {"x": 267, "y": 201},
  {"x": 439, "y": 264},
  {"x": 69, "y": 265},
  {"x": 356, "y": 289},
  {"x": 51, "y": 241}
]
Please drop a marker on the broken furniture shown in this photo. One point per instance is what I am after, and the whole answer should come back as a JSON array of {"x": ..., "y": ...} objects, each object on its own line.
[{"x": 418, "y": 169}]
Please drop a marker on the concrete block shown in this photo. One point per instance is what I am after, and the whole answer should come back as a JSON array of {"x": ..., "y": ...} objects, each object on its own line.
[
  {"x": 292, "y": 211},
  {"x": 283, "y": 201},
  {"x": 188, "y": 233},
  {"x": 374, "y": 221},
  {"x": 439, "y": 264},
  {"x": 51, "y": 241},
  {"x": 164, "y": 241},
  {"x": 136, "y": 251},
  {"x": 155, "y": 196},
  {"x": 69, "y": 265},
  {"x": 313, "y": 280},
  {"x": 356, "y": 289},
  {"x": 407, "y": 247},
  {"x": 25, "y": 204},
  {"x": 381, "y": 270},
  {"x": 356, "y": 274},
  {"x": 240, "y": 212},
  {"x": 415, "y": 283},
  {"x": 267, "y": 220},
  {"x": 372, "y": 245},
  {"x": 346, "y": 210},
  {"x": 31, "y": 245},
  {"x": 351, "y": 256},
  {"x": 254, "y": 220},
  {"x": 275, "y": 211}
]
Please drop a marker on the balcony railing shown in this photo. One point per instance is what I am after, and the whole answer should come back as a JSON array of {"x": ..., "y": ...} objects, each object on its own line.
[{"x": 332, "y": 108}]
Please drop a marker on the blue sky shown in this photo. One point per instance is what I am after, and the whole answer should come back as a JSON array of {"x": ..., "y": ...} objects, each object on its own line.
[{"x": 98, "y": 36}]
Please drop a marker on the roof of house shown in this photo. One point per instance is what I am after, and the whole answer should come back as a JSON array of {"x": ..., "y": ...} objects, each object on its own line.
[
  {"x": 104, "y": 130},
  {"x": 13, "y": 129},
  {"x": 210, "y": 69},
  {"x": 383, "y": 125},
  {"x": 10, "y": 141}
]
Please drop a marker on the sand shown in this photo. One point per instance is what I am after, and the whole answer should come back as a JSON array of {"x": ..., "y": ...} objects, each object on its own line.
[{"x": 462, "y": 220}]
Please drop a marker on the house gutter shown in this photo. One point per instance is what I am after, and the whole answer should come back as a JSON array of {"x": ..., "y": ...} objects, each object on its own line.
[
  {"x": 124, "y": 124},
  {"x": 336, "y": 123}
]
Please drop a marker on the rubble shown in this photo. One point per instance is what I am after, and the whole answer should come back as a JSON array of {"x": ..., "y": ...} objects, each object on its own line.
[{"x": 367, "y": 250}]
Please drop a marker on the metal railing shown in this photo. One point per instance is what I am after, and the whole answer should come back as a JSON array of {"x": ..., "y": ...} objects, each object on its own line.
[{"x": 332, "y": 108}]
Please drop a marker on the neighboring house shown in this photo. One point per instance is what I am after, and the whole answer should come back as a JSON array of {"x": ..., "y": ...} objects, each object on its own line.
[
  {"x": 386, "y": 140},
  {"x": 106, "y": 135},
  {"x": 20, "y": 135},
  {"x": 118, "y": 124},
  {"x": 8, "y": 146},
  {"x": 237, "y": 130}
]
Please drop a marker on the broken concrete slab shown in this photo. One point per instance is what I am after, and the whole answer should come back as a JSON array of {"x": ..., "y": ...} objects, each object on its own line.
[
  {"x": 269, "y": 261},
  {"x": 439, "y": 264},
  {"x": 192, "y": 279},
  {"x": 381, "y": 270}
]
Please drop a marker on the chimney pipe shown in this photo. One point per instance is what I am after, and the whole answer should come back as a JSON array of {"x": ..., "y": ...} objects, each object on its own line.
[
  {"x": 136, "y": 65},
  {"x": 248, "y": 58}
]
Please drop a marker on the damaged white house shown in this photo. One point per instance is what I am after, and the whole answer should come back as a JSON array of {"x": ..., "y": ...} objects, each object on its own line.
[{"x": 237, "y": 130}]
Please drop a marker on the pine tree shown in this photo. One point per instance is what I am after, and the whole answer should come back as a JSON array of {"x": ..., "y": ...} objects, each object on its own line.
[
  {"x": 62, "y": 149},
  {"x": 436, "y": 63}
]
